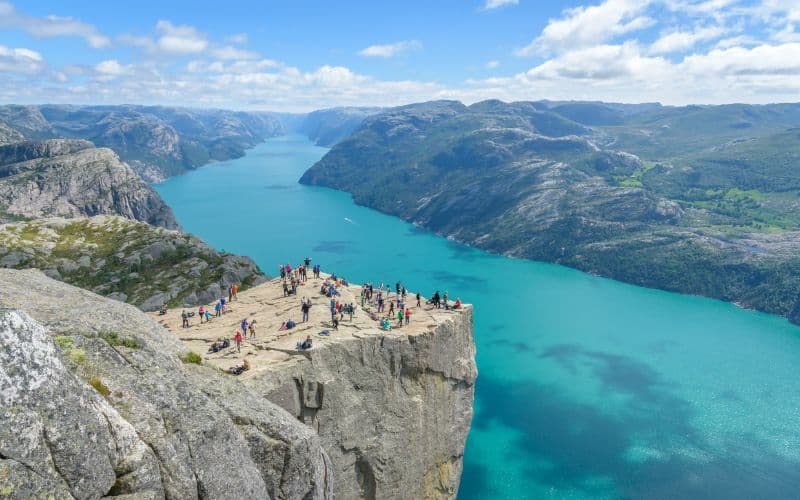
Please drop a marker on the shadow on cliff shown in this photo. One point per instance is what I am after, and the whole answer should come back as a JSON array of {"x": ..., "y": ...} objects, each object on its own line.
[{"x": 580, "y": 443}]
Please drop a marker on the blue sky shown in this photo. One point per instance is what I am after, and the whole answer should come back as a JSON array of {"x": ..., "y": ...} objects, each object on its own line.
[{"x": 304, "y": 55}]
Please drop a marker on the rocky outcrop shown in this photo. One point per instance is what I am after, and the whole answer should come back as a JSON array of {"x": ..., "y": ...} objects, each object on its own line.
[
  {"x": 95, "y": 401},
  {"x": 156, "y": 141},
  {"x": 71, "y": 178},
  {"x": 326, "y": 127},
  {"x": 126, "y": 260},
  {"x": 392, "y": 411}
]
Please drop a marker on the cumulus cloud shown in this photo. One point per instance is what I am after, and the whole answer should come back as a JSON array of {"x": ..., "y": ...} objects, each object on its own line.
[
  {"x": 495, "y": 4},
  {"x": 585, "y": 26},
  {"x": 680, "y": 41},
  {"x": 111, "y": 69},
  {"x": 20, "y": 61},
  {"x": 179, "y": 39},
  {"x": 51, "y": 26},
  {"x": 390, "y": 49},
  {"x": 492, "y": 64}
]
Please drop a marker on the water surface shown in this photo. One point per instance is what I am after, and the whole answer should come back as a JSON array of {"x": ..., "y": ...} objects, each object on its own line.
[{"x": 588, "y": 388}]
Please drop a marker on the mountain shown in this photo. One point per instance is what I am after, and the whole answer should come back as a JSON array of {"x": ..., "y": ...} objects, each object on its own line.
[
  {"x": 326, "y": 127},
  {"x": 699, "y": 199},
  {"x": 65, "y": 177},
  {"x": 156, "y": 141},
  {"x": 127, "y": 260}
]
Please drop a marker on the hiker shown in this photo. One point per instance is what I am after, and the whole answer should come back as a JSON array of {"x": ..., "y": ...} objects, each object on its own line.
[
  {"x": 335, "y": 320},
  {"x": 218, "y": 309},
  {"x": 307, "y": 261},
  {"x": 399, "y": 317},
  {"x": 305, "y": 306},
  {"x": 208, "y": 315},
  {"x": 386, "y": 325},
  {"x": 418, "y": 300},
  {"x": 235, "y": 290},
  {"x": 391, "y": 308},
  {"x": 282, "y": 270},
  {"x": 230, "y": 293},
  {"x": 350, "y": 310},
  {"x": 162, "y": 311},
  {"x": 457, "y": 305},
  {"x": 201, "y": 312},
  {"x": 244, "y": 326},
  {"x": 185, "y": 318},
  {"x": 222, "y": 304},
  {"x": 252, "y": 329},
  {"x": 445, "y": 300},
  {"x": 238, "y": 340},
  {"x": 408, "y": 315},
  {"x": 380, "y": 302},
  {"x": 239, "y": 369},
  {"x": 306, "y": 344},
  {"x": 285, "y": 289}
]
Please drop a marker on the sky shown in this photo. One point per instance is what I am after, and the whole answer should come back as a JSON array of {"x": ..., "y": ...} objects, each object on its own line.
[{"x": 304, "y": 55}]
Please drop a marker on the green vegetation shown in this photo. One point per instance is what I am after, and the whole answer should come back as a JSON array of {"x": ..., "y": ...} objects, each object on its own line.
[
  {"x": 118, "y": 256},
  {"x": 99, "y": 386},
  {"x": 64, "y": 342},
  {"x": 76, "y": 355},
  {"x": 114, "y": 339},
  {"x": 192, "y": 357}
]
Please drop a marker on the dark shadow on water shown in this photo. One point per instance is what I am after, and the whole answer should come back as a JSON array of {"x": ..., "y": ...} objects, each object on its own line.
[
  {"x": 515, "y": 345},
  {"x": 582, "y": 442},
  {"x": 336, "y": 247},
  {"x": 456, "y": 283},
  {"x": 280, "y": 187}
]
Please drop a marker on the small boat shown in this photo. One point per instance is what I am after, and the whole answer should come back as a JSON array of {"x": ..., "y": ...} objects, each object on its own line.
[{"x": 346, "y": 219}]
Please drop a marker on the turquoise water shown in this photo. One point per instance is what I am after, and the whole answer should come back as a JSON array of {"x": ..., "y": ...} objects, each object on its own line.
[{"x": 588, "y": 388}]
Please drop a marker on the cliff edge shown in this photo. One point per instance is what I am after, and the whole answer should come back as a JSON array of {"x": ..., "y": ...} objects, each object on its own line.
[{"x": 392, "y": 408}]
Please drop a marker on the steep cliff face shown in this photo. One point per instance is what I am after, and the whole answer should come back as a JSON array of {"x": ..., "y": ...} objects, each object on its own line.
[
  {"x": 392, "y": 408},
  {"x": 95, "y": 401},
  {"x": 392, "y": 411},
  {"x": 126, "y": 260},
  {"x": 71, "y": 178}
]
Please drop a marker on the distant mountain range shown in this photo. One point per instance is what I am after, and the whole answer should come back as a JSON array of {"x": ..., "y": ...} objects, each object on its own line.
[{"x": 696, "y": 199}]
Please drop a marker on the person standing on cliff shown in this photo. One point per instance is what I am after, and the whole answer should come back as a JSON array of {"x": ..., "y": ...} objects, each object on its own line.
[
  {"x": 185, "y": 319},
  {"x": 252, "y": 329},
  {"x": 218, "y": 309},
  {"x": 408, "y": 315},
  {"x": 235, "y": 290},
  {"x": 282, "y": 270},
  {"x": 419, "y": 297},
  {"x": 305, "y": 306},
  {"x": 202, "y": 313}
]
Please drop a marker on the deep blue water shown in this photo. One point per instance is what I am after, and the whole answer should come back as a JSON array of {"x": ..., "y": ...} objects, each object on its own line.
[{"x": 588, "y": 388}]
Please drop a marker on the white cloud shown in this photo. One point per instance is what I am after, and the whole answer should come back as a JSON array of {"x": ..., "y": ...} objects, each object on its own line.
[
  {"x": 492, "y": 64},
  {"x": 179, "y": 39},
  {"x": 237, "y": 39},
  {"x": 111, "y": 70},
  {"x": 681, "y": 41},
  {"x": 391, "y": 49},
  {"x": 586, "y": 26},
  {"x": 233, "y": 53},
  {"x": 51, "y": 26},
  {"x": 494, "y": 4},
  {"x": 20, "y": 61}
]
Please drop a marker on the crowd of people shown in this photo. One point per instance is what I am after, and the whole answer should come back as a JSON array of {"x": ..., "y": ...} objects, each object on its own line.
[{"x": 386, "y": 305}]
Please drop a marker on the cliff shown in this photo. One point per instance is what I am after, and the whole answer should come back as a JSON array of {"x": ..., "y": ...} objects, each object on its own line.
[
  {"x": 99, "y": 400},
  {"x": 156, "y": 141},
  {"x": 69, "y": 178},
  {"x": 96, "y": 401},
  {"x": 392, "y": 409},
  {"x": 126, "y": 260}
]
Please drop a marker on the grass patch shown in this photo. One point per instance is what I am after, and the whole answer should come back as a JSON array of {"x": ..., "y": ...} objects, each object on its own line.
[
  {"x": 192, "y": 357},
  {"x": 64, "y": 342},
  {"x": 99, "y": 386},
  {"x": 77, "y": 355},
  {"x": 114, "y": 339}
]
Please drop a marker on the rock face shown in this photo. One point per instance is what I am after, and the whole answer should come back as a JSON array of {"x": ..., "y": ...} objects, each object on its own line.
[
  {"x": 127, "y": 260},
  {"x": 392, "y": 408},
  {"x": 157, "y": 141},
  {"x": 393, "y": 412},
  {"x": 95, "y": 401},
  {"x": 326, "y": 127},
  {"x": 71, "y": 178}
]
